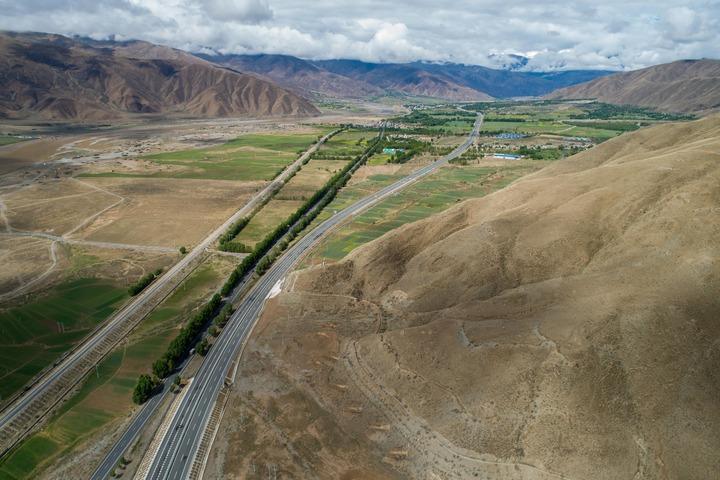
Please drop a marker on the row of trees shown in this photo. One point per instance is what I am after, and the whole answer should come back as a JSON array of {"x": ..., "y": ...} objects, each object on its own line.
[
  {"x": 184, "y": 341},
  {"x": 144, "y": 281}
]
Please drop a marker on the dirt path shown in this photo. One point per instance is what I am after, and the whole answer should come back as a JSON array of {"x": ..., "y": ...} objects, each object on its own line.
[
  {"x": 92, "y": 217},
  {"x": 3, "y": 216},
  {"x": 21, "y": 288}
]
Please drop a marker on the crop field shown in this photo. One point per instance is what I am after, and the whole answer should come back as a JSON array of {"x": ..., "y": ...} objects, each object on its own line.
[
  {"x": 551, "y": 127},
  {"x": 106, "y": 395},
  {"x": 249, "y": 157},
  {"x": 9, "y": 140},
  {"x": 345, "y": 145},
  {"x": 309, "y": 179},
  {"x": 36, "y": 334},
  {"x": 427, "y": 197},
  {"x": 265, "y": 221}
]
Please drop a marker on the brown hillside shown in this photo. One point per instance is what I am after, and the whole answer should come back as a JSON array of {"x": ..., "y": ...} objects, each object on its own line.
[
  {"x": 54, "y": 77},
  {"x": 683, "y": 86},
  {"x": 567, "y": 326}
]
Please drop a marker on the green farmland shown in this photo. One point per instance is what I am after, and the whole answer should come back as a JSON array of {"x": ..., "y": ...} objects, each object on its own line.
[
  {"x": 427, "y": 197},
  {"x": 36, "y": 334},
  {"x": 10, "y": 139},
  {"x": 106, "y": 395},
  {"x": 535, "y": 127}
]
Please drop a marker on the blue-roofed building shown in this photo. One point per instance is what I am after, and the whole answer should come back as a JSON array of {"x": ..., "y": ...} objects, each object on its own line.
[{"x": 507, "y": 156}]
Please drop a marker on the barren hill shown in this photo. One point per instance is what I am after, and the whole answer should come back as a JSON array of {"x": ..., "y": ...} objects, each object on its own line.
[
  {"x": 683, "y": 86},
  {"x": 55, "y": 77},
  {"x": 564, "y": 327}
]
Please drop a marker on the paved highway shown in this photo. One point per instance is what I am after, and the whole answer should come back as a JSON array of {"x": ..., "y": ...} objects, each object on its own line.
[
  {"x": 118, "y": 321},
  {"x": 178, "y": 449}
]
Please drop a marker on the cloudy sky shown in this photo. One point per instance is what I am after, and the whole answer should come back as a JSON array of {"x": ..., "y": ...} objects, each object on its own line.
[{"x": 612, "y": 34}]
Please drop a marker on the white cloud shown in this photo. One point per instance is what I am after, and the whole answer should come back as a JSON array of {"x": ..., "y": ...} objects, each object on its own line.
[
  {"x": 238, "y": 10},
  {"x": 614, "y": 34}
]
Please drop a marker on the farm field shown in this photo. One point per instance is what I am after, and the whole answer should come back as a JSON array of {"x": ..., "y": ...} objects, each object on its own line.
[
  {"x": 10, "y": 139},
  {"x": 540, "y": 127},
  {"x": 34, "y": 335},
  {"x": 105, "y": 398},
  {"x": 345, "y": 145},
  {"x": 431, "y": 195},
  {"x": 247, "y": 158}
]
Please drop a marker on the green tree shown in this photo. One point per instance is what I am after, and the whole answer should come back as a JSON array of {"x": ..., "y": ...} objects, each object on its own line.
[
  {"x": 202, "y": 347},
  {"x": 162, "y": 368},
  {"x": 144, "y": 388},
  {"x": 183, "y": 250}
]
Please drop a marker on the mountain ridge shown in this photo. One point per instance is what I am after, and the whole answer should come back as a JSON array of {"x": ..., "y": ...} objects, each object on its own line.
[
  {"x": 683, "y": 86},
  {"x": 54, "y": 77},
  {"x": 358, "y": 79}
]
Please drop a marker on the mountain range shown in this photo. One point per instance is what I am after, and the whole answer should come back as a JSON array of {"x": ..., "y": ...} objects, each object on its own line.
[
  {"x": 357, "y": 79},
  {"x": 55, "y": 77}
]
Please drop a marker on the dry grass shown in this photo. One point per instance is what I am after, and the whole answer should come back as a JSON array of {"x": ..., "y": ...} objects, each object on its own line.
[{"x": 166, "y": 212}]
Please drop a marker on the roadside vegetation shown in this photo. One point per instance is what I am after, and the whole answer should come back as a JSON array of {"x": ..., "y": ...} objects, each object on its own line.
[{"x": 144, "y": 282}]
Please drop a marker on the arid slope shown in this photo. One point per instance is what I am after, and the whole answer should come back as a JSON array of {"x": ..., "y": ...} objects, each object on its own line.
[
  {"x": 566, "y": 325},
  {"x": 683, "y": 86},
  {"x": 55, "y": 77}
]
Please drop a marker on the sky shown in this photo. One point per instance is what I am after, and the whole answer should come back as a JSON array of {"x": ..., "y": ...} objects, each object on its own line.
[{"x": 612, "y": 34}]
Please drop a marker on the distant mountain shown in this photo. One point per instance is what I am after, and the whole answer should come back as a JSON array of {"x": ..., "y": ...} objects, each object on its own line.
[
  {"x": 404, "y": 78},
  {"x": 357, "y": 79},
  {"x": 55, "y": 77},
  {"x": 299, "y": 75},
  {"x": 682, "y": 86},
  {"x": 508, "y": 83}
]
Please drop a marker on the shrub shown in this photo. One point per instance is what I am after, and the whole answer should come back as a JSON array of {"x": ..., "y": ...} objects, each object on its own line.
[{"x": 141, "y": 284}]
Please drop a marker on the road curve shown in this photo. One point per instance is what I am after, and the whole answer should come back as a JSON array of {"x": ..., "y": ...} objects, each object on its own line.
[
  {"x": 179, "y": 446},
  {"x": 74, "y": 360}
]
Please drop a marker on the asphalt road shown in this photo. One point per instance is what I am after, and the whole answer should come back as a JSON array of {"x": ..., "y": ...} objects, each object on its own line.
[
  {"x": 24, "y": 401},
  {"x": 179, "y": 447}
]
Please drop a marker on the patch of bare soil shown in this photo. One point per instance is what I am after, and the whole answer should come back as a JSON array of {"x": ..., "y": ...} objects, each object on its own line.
[{"x": 564, "y": 327}]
